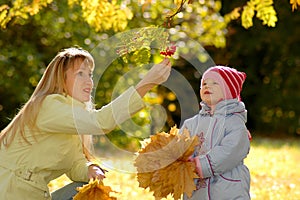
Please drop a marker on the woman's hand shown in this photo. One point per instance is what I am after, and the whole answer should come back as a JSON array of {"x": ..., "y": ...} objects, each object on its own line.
[
  {"x": 158, "y": 74},
  {"x": 94, "y": 172}
]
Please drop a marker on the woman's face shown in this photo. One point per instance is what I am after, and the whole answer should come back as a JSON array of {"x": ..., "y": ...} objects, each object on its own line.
[
  {"x": 79, "y": 82},
  {"x": 211, "y": 92}
]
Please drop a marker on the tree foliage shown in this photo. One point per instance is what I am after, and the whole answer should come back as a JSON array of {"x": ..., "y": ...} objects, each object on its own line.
[
  {"x": 271, "y": 60},
  {"x": 101, "y": 15},
  {"x": 295, "y": 4},
  {"x": 33, "y": 31},
  {"x": 189, "y": 15},
  {"x": 105, "y": 15},
  {"x": 264, "y": 11}
]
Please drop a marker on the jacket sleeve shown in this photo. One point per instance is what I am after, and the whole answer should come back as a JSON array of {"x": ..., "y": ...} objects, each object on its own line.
[
  {"x": 79, "y": 171},
  {"x": 79, "y": 167},
  {"x": 58, "y": 116},
  {"x": 230, "y": 152},
  {"x": 189, "y": 125}
]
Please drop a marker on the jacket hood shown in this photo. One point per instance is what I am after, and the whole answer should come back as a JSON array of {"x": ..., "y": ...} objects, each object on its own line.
[{"x": 225, "y": 108}]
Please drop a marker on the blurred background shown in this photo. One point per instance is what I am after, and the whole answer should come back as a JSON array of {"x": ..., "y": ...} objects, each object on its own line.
[
  {"x": 260, "y": 38},
  {"x": 266, "y": 48}
]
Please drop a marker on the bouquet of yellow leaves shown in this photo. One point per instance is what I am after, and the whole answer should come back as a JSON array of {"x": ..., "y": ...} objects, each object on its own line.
[
  {"x": 162, "y": 164},
  {"x": 94, "y": 190}
]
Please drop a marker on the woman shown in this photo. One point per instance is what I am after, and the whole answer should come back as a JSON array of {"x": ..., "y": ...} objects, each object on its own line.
[{"x": 42, "y": 142}]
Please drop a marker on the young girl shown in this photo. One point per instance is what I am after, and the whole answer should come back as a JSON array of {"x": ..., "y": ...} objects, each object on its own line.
[
  {"x": 220, "y": 126},
  {"x": 42, "y": 142}
]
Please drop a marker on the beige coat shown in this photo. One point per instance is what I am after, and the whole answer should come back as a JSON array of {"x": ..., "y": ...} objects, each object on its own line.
[{"x": 25, "y": 170}]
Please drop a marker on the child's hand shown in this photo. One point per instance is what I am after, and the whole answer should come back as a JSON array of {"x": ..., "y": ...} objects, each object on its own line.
[
  {"x": 196, "y": 160},
  {"x": 191, "y": 159},
  {"x": 95, "y": 172}
]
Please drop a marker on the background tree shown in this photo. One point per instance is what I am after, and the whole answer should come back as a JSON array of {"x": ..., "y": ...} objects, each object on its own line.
[{"x": 271, "y": 58}]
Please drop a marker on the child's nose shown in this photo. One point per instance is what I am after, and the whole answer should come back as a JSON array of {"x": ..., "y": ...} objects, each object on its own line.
[{"x": 206, "y": 86}]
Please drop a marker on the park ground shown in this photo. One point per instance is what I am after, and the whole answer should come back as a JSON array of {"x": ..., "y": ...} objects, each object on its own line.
[{"x": 273, "y": 163}]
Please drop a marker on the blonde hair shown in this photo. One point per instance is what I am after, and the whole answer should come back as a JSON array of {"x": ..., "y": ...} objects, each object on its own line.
[{"x": 52, "y": 82}]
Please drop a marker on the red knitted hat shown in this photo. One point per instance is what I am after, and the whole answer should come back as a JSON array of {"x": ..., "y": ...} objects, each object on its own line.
[{"x": 230, "y": 80}]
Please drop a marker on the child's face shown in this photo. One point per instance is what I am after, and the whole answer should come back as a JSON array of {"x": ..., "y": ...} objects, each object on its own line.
[
  {"x": 79, "y": 82},
  {"x": 211, "y": 92}
]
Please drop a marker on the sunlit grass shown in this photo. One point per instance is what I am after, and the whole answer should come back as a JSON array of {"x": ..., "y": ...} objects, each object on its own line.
[
  {"x": 274, "y": 167},
  {"x": 273, "y": 164}
]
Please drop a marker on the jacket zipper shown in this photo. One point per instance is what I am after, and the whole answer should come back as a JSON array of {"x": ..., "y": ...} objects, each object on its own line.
[{"x": 211, "y": 142}]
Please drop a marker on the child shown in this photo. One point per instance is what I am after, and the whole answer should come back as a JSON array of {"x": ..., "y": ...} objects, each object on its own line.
[
  {"x": 220, "y": 125},
  {"x": 42, "y": 142}
]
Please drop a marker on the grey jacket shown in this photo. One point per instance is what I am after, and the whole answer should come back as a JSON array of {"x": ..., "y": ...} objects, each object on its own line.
[{"x": 225, "y": 146}]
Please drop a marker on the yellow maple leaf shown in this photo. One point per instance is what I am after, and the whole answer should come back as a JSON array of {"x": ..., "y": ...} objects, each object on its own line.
[
  {"x": 162, "y": 164},
  {"x": 294, "y": 4},
  {"x": 94, "y": 190}
]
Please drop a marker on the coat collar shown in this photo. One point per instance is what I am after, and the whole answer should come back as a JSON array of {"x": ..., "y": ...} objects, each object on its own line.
[{"x": 226, "y": 107}]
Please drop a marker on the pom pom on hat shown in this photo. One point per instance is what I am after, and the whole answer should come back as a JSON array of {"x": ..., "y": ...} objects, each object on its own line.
[{"x": 230, "y": 80}]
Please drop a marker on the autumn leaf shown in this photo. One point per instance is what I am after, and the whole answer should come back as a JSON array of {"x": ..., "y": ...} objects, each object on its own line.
[
  {"x": 294, "y": 4},
  {"x": 162, "y": 164},
  {"x": 94, "y": 190}
]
